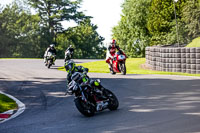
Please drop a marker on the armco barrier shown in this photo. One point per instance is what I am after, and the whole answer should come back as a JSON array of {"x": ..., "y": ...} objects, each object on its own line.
[{"x": 182, "y": 59}]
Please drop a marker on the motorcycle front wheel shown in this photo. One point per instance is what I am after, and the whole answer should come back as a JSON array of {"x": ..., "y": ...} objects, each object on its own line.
[
  {"x": 113, "y": 101},
  {"x": 48, "y": 64},
  {"x": 123, "y": 68},
  {"x": 84, "y": 108}
]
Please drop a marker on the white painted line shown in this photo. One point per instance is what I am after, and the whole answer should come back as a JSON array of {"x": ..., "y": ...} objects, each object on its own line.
[
  {"x": 8, "y": 112},
  {"x": 21, "y": 107}
]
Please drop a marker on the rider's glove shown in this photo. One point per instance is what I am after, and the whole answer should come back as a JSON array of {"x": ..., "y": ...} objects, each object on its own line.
[
  {"x": 85, "y": 72},
  {"x": 69, "y": 91}
]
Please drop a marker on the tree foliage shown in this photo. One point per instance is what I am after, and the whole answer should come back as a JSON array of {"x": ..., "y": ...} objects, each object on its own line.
[
  {"x": 143, "y": 23},
  {"x": 162, "y": 22},
  {"x": 24, "y": 34},
  {"x": 131, "y": 33},
  {"x": 191, "y": 17},
  {"x": 53, "y": 12},
  {"x": 152, "y": 22},
  {"x": 85, "y": 40}
]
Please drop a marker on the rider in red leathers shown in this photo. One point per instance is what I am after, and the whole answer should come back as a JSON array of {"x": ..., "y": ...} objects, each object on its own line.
[{"x": 110, "y": 53}]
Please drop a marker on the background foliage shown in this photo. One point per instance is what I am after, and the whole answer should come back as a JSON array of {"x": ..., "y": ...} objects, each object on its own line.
[
  {"x": 143, "y": 23},
  {"x": 24, "y": 34},
  {"x": 152, "y": 22}
]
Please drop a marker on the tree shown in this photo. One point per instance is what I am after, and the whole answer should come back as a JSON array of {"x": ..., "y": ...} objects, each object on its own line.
[
  {"x": 53, "y": 12},
  {"x": 191, "y": 18},
  {"x": 9, "y": 30},
  {"x": 131, "y": 33},
  {"x": 20, "y": 33},
  {"x": 162, "y": 22},
  {"x": 85, "y": 40}
]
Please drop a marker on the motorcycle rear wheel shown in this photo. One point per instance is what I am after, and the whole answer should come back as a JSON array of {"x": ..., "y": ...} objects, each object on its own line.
[
  {"x": 113, "y": 101},
  {"x": 83, "y": 108}
]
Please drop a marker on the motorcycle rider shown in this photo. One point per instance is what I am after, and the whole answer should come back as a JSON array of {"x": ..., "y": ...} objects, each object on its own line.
[
  {"x": 51, "y": 49},
  {"x": 71, "y": 68},
  {"x": 71, "y": 50},
  {"x": 110, "y": 53}
]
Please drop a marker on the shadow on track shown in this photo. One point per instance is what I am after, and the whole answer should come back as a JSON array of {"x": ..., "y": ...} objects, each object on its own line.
[{"x": 145, "y": 106}]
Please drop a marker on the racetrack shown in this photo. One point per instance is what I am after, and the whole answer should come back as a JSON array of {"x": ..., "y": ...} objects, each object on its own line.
[{"x": 148, "y": 103}]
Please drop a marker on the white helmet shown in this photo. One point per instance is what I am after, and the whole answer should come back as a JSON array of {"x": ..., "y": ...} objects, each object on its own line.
[{"x": 52, "y": 45}]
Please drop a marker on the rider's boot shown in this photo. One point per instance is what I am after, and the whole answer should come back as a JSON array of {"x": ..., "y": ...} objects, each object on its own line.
[
  {"x": 111, "y": 69},
  {"x": 45, "y": 61}
]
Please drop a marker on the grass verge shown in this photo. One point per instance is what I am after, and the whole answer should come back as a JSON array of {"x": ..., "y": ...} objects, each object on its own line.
[
  {"x": 6, "y": 103},
  {"x": 133, "y": 66},
  {"x": 194, "y": 43},
  {"x": 20, "y": 58}
]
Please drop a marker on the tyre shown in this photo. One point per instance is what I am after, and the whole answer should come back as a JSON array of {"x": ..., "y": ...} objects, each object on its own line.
[
  {"x": 183, "y": 70},
  {"x": 183, "y": 50},
  {"x": 197, "y": 66},
  {"x": 197, "y": 55},
  {"x": 48, "y": 64},
  {"x": 197, "y": 49},
  {"x": 84, "y": 108},
  {"x": 111, "y": 71},
  {"x": 123, "y": 68},
  {"x": 192, "y": 50},
  {"x": 113, "y": 101}
]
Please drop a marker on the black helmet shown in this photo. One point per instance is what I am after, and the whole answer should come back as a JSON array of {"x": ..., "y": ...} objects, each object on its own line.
[{"x": 70, "y": 65}]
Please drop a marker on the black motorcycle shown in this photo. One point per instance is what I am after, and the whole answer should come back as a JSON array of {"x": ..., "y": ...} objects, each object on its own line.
[{"x": 90, "y": 98}]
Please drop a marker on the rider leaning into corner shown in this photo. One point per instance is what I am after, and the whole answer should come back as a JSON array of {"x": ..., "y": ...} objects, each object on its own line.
[
  {"x": 71, "y": 68},
  {"x": 111, "y": 50},
  {"x": 51, "y": 49}
]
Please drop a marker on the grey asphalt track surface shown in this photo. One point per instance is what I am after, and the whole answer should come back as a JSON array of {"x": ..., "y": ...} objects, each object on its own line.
[{"x": 148, "y": 103}]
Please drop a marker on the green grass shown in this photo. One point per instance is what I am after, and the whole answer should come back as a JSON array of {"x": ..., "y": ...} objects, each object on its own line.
[
  {"x": 194, "y": 43},
  {"x": 20, "y": 58},
  {"x": 133, "y": 66},
  {"x": 6, "y": 103}
]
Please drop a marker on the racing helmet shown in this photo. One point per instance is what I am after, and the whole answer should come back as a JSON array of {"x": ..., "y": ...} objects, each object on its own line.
[
  {"x": 52, "y": 45},
  {"x": 114, "y": 41},
  {"x": 70, "y": 65},
  {"x": 113, "y": 44}
]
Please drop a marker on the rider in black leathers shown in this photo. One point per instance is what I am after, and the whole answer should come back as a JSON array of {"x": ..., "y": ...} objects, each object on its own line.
[
  {"x": 70, "y": 48},
  {"x": 51, "y": 49},
  {"x": 71, "y": 68},
  {"x": 69, "y": 53}
]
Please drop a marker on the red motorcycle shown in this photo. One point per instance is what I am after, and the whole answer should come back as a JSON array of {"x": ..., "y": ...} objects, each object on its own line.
[{"x": 118, "y": 63}]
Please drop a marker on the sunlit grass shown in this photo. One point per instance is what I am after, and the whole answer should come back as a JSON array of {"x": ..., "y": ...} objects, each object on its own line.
[
  {"x": 133, "y": 66},
  {"x": 6, "y": 103},
  {"x": 194, "y": 43},
  {"x": 20, "y": 58}
]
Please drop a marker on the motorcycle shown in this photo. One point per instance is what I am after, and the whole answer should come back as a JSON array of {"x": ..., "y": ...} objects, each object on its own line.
[
  {"x": 50, "y": 59},
  {"x": 118, "y": 63},
  {"x": 68, "y": 55},
  {"x": 90, "y": 98}
]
